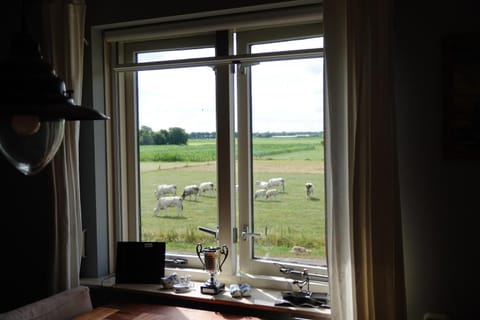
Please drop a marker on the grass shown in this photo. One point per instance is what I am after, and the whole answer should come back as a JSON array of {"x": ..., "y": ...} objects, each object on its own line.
[
  {"x": 200, "y": 150},
  {"x": 284, "y": 222},
  {"x": 195, "y": 151}
]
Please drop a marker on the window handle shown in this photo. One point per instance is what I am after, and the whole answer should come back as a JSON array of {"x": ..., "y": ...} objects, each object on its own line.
[
  {"x": 209, "y": 231},
  {"x": 246, "y": 235}
]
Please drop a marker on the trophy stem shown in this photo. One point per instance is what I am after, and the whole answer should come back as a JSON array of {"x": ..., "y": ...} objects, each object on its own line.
[
  {"x": 212, "y": 280},
  {"x": 212, "y": 286}
]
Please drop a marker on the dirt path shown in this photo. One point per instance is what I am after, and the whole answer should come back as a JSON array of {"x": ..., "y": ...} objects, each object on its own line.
[{"x": 289, "y": 166}]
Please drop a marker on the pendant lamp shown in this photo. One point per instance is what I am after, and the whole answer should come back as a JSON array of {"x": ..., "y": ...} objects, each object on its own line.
[{"x": 34, "y": 105}]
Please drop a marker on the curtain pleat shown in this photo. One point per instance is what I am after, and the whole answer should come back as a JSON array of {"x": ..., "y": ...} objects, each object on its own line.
[
  {"x": 64, "y": 22},
  {"x": 338, "y": 197},
  {"x": 363, "y": 206}
]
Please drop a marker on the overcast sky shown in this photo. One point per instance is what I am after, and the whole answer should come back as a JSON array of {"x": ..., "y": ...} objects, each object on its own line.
[{"x": 286, "y": 95}]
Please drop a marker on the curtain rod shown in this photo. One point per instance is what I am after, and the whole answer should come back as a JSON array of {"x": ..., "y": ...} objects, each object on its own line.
[{"x": 214, "y": 61}]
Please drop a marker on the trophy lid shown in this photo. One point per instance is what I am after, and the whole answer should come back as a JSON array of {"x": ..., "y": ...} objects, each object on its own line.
[{"x": 211, "y": 249}]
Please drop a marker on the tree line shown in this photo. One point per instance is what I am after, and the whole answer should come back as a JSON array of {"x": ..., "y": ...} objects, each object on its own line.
[
  {"x": 178, "y": 136},
  {"x": 175, "y": 135}
]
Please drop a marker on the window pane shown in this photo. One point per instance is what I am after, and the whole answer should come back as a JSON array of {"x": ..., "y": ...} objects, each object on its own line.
[
  {"x": 177, "y": 146},
  {"x": 310, "y": 43},
  {"x": 287, "y": 139},
  {"x": 175, "y": 55}
]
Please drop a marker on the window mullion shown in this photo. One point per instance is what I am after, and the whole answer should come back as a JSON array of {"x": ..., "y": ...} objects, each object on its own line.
[
  {"x": 244, "y": 166},
  {"x": 225, "y": 153}
]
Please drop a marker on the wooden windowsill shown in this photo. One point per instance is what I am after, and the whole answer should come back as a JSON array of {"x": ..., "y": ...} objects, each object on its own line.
[{"x": 262, "y": 300}]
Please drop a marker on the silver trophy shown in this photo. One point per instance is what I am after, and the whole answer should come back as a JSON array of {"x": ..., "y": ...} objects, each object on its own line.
[{"x": 212, "y": 262}]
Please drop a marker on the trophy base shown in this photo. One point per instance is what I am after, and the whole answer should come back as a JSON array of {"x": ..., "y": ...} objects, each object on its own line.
[{"x": 212, "y": 289}]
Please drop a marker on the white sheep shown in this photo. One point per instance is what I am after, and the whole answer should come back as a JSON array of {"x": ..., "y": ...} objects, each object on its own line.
[
  {"x": 191, "y": 190},
  {"x": 206, "y": 186},
  {"x": 260, "y": 193},
  {"x": 271, "y": 193},
  {"x": 262, "y": 184},
  {"x": 276, "y": 182},
  {"x": 165, "y": 189},
  {"x": 165, "y": 202},
  {"x": 309, "y": 190}
]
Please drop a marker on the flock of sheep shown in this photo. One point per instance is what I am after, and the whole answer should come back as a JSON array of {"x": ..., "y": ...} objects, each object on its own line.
[
  {"x": 166, "y": 194},
  {"x": 267, "y": 192},
  {"x": 265, "y": 188}
]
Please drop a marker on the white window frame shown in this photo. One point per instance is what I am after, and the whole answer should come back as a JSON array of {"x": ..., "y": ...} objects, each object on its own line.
[
  {"x": 123, "y": 200},
  {"x": 244, "y": 41}
]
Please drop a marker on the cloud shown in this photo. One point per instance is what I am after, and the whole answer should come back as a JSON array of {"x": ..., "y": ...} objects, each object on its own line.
[{"x": 286, "y": 95}]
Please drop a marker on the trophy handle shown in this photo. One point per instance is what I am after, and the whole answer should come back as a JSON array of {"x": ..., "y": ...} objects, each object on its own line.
[
  {"x": 224, "y": 251},
  {"x": 199, "y": 250}
]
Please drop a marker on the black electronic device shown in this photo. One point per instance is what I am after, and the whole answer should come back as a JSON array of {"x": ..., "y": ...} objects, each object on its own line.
[{"x": 140, "y": 262}]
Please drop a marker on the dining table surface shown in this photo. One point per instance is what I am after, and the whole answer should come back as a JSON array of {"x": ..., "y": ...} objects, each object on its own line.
[{"x": 145, "y": 311}]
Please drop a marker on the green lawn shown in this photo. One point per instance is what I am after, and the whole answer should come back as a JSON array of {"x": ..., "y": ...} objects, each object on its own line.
[{"x": 287, "y": 221}]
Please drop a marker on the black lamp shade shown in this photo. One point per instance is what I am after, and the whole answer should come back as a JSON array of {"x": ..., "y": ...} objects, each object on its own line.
[{"x": 29, "y": 86}]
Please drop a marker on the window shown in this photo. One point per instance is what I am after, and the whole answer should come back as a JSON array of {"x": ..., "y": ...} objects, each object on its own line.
[
  {"x": 177, "y": 149},
  {"x": 239, "y": 108}
]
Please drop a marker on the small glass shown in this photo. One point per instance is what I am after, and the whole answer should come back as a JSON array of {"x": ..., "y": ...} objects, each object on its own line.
[{"x": 184, "y": 284}]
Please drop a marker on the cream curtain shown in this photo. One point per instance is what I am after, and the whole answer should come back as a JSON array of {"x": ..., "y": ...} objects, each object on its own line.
[
  {"x": 63, "y": 22},
  {"x": 363, "y": 208}
]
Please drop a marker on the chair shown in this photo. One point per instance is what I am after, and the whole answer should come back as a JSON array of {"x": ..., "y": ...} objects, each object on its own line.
[{"x": 64, "y": 305}]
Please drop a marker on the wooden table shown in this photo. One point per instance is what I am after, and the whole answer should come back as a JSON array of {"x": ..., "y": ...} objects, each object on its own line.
[{"x": 140, "y": 311}]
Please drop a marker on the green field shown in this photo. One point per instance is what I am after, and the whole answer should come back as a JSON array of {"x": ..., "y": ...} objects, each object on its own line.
[{"x": 290, "y": 220}]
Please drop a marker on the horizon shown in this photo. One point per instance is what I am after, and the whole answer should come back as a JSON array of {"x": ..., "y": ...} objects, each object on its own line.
[{"x": 236, "y": 132}]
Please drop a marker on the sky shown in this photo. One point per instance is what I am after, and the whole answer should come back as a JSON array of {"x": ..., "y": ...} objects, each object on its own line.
[{"x": 287, "y": 96}]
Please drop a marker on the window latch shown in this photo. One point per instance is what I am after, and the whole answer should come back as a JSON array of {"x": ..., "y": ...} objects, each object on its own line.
[
  {"x": 235, "y": 234},
  {"x": 247, "y": 235},
  {"x": 243, "y": 66},
  {"x": 176, "y": 261}
]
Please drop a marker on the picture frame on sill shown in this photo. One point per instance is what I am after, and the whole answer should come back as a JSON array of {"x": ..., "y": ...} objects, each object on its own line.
[{"x": 461, "y": 87}]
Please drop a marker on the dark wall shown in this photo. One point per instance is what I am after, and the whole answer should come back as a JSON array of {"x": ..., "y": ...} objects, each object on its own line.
[
  {"x": 26, "y": 236},
  {"x": 101, "y": 12},
  {"x": 26, "y": 208},
  {"x": 439, "y": 197}
]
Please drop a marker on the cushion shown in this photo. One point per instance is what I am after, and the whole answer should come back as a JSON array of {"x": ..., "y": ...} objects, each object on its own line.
[{"x": 61, "y": 306}]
